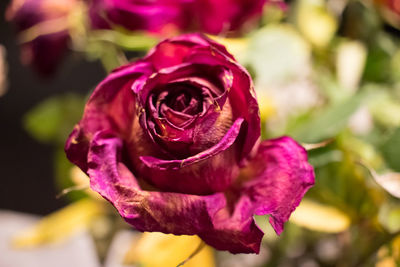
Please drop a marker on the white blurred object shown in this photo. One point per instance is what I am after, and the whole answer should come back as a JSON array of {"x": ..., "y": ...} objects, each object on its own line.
[
  {"x": 120, "y": 245},
  {"x": 3, "y": 71},
  {"x": 390, "y": 182},
  {"x": 361, "y": 121},
  {"x": 350, "y": 63},
  {"x": 226, "y": 259},
  {"x": 281, "y": 59},
  {"x": 328, "y": 249},
  {"x": 76, "y": 251},
  {"x": 308, "y": 263},
  {"x": 292, "y": 99}
]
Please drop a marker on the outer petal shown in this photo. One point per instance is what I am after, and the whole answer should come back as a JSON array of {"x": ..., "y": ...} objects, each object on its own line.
[
  {"x": 207, "y": 216},
  {"x": 277, "y": 178},
  {"x": 175, "y": 51},
  {"x": 111, "y": 107}
]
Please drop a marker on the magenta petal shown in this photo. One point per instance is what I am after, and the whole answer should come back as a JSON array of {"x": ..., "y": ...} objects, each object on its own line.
[
  {"x": 227, "y": 15},
  {"x": 282, "y": 176},
  {"x": 110, "y": 107},
  {"x": 206, "y": 216},
  {"x": 174, "y": 51}
]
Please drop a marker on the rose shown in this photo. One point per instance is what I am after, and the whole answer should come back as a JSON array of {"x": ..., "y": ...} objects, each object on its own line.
[
  {"x": 216, "y": 17},
  {"x": 172, "y": 141},
  {"x": 169, "y": 16},
  {"x": 392, "y": 5},
  {"x": 42, "y": 26},
  {"x": 161, "y": 17},
  {"x": 390, "y": 11}
]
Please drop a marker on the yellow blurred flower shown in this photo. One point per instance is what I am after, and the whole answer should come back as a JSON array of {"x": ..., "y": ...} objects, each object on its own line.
[
  {"x": 157, "y": 249},
  {"x": 319, "y": 217},
  {"x": 316, "y": 23},
  {"x": 60, "y": 225}
]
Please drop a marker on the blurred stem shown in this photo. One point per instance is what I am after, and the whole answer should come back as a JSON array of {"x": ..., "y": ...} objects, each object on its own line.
[
  {"x": 194, "y": 253},
  {"x": 125, "y": 40},
  {"x": 112, "y": 57},
  {"x": 374, "y": 248}
]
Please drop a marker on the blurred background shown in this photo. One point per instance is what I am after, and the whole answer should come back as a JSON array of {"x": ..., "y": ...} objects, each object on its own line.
[
  {"x": 27, "y": 174},
  {"x": 326, "y": 72}
]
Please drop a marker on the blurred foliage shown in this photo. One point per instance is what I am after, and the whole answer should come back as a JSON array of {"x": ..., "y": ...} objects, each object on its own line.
[
  {"x": 391, "y": 150},
  {"x": 52, "y": 120},
  {"x": 327, "y": 123}
]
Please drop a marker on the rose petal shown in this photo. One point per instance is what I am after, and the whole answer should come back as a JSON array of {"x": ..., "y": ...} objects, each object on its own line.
[
  {"x": 244, "y": 102},
  {"x": 191, "y": 73},
  {"x": 225, "y": 142},
  {"x": 111, "y": 107},
  {"x": 279, "y": 177},
  {"x": 174, "y": 51},
  {"x": 202, "y": 177},
  {"x": 173, "y": 213}
]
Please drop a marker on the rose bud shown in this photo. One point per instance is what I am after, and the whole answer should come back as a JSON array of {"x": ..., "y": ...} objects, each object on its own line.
[
  {"x": 390, "y": 11},
  {"x": 42, "y": 27},
  {"x": 173, "y": 142},
  {"x": 170, "y": 16}
]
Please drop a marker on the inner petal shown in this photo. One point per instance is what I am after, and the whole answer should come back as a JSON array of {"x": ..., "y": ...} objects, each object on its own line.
[
  {"x": 181, "y": 101},
  {"x": 176, "y": 118},
  {"x": 184, "y": 99},
  {"x": 188, "y": 115}
]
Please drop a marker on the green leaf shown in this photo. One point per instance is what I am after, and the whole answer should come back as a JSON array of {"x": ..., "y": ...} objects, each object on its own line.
[
  {"x": 391, "y": 151},
  {"x": 328, "y": 122},
  {"x": 62, "y": 168},
  {"x": 345, "y": 184},
  {"x": 385, "y": 106},
  {"x": 389, "y": 216},
  {"x": 377, "y": 65},
  {"x": 53, "y": 119}
]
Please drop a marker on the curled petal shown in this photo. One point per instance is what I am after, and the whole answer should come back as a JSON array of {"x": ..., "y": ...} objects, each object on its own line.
[
  {"x": 175, "y": 51},
  {"x": 279, "y": 176},
  {"x": 207, "y": 172},
  {"x": 206, "y": 216},
  {"x": 224, "y": 144},
  {"x": 244, "y": 102}
]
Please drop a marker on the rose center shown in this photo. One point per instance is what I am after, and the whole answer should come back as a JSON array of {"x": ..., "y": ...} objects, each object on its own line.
[
  {"x": 184, "y": 102},
  {"x": 180, "y": 102}
]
